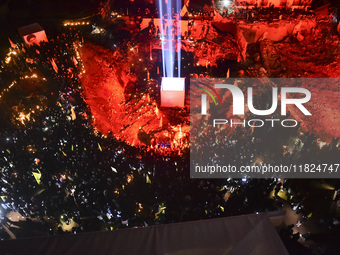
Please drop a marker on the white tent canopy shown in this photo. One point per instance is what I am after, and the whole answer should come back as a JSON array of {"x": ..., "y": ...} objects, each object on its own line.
[{"x": 249, "y": 234}]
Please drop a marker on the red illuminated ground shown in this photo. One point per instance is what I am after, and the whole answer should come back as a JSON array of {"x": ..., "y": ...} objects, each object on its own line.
[
  {"x": 107, "y": 89},
  {"x": 317, "y": 56},
  {"x": 325, "y": 104},
  {"x": 127, "y": 116}
]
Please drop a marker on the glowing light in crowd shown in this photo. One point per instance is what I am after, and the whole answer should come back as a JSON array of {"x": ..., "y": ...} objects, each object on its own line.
[
  {"x": 76, "y": 23},
  {"x": 227, "y": 3},
  {"x": 170, "y": 35},
  {"x": 23, "y": 117}
]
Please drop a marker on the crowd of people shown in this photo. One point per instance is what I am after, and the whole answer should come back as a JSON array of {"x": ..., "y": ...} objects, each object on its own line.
[
  {"x": 83, "y": 174},
  {"x": 99, "y": 182}
]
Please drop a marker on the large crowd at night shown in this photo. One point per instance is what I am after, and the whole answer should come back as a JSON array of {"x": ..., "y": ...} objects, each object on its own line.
[
  {"x": 56, "y": 166},
  {"x": 83, "y": 173}
]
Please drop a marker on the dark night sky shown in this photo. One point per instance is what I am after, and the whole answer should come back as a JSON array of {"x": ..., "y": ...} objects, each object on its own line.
[{"x": 46, "y": 8}]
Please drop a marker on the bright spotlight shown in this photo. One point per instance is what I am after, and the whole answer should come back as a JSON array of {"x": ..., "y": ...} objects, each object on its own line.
[
  {"x": 227, "y": 3},
  {"x": 172, "y": 92}
]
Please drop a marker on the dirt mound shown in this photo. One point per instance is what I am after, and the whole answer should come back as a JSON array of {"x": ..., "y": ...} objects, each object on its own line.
[{"x": 117, "y": 106}]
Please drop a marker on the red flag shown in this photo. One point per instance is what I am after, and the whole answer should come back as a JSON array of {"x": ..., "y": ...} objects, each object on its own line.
[
  {"x": 54, "y": 65},
  {"x": 13, "y": 45}
]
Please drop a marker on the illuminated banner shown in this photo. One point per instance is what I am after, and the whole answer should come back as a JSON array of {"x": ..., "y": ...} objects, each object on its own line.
[
  {"x": 157, "y": 23},
  {"x": 33, "y": 34}
]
